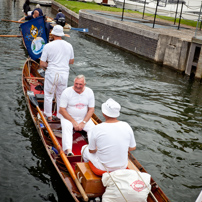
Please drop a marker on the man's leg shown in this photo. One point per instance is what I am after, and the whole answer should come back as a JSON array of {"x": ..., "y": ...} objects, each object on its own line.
[
  {"x": 87, "y": 156},
  {"x": 62, "y": 85},
  {"x": 67, "y": 135},
  {"x": 48, "y": 97}
]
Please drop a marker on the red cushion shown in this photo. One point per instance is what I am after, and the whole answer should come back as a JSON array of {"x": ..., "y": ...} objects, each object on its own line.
[{"x": 96, "y": 170}]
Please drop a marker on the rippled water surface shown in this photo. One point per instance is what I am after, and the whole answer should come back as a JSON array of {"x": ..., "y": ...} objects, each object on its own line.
[{"x": 163, "y": 107}]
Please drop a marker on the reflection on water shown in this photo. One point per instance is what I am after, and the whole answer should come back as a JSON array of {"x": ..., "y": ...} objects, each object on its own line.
[{"x": 163, "y": 107}]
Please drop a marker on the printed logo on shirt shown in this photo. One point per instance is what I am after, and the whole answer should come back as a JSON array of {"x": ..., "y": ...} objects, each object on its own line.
[
  {"x": 138, "y": 185},
  {"x": 80, "y": 106}
]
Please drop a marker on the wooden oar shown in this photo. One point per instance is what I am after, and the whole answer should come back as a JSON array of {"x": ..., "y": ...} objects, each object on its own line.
[
  {"x": 11, "y": 21},
  {"x": 68, "y": 27},
  {"x": 80, "y": 29},
  {"x": 10, "y": 35},
  {"x": 36, "y": 78},
  {"x": 57, "y": 145},
  {"x": 94, "y": 121}
]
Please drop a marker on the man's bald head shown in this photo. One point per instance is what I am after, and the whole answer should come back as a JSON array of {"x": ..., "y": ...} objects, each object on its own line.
[{"x": 36, "y": 14}]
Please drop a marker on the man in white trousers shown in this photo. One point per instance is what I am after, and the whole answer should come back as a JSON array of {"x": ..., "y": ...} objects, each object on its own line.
[
  {"x": 110, "y": 141},
  {"x": 76, "y": 107},
  {"x": 56, "y": 57}
]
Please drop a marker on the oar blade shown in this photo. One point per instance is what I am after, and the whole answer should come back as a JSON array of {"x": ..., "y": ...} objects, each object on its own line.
[
  {"x": 80, "y": 29},
  {"x": 32, "y": 98}
]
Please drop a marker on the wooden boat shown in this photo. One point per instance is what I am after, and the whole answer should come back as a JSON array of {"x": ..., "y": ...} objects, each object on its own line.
[{"x": 50, "y": 134}]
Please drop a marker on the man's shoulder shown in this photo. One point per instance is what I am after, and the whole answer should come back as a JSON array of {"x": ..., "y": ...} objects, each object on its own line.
[
  {"x": 29, "y": 17},
  {"x": 99, "y": 126},
  {"x": 87, "y": 89},
  {"x": 67, "y": 93},
  {"x": 52, "y": 43},
  {"x": 123, "y": 123},
  {"x": 68, "y": 89}
]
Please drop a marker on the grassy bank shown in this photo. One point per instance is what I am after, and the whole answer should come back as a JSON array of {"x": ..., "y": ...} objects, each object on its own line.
[{"x": 76, "y": 6}]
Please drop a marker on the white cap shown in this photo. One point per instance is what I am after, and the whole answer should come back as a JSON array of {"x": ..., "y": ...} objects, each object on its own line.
[
  {"x": 111, "y": 108},
  {"x": 58, "y": 30}
]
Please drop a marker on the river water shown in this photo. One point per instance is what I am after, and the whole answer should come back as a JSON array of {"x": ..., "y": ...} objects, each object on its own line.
[{"x": 163, "y": 107}]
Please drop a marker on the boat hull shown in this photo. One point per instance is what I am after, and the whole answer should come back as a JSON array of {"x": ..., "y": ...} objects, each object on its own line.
[{"x": 31, "y": 79}]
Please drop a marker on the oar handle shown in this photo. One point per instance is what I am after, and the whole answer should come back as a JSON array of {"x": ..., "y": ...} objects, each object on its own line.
[
  {"x": 10, "y": 21},
  {"x": 85, "y": 197},
  {"x": 35, "y": 78},
  {"x": 10, "y": 35},
  {"x": 63, "y": 156}
]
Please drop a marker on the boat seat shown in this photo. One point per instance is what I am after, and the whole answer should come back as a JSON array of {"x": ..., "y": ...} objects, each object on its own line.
[
  {"x": 39, "y": 96},
  {"x": 91, "y": 183}
]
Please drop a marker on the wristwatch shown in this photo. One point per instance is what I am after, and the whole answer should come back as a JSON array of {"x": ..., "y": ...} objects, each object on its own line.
[{"x": 84, "y": 122}]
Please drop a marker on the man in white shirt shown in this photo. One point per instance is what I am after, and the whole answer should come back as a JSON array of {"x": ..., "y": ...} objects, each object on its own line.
[
  {"x": 110, "y": 141},
  {"x": 76, "y": 107},
  {"x": 56, "y": 57}
]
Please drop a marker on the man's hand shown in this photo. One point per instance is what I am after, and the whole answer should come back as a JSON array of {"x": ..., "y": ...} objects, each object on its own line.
[
  {"x": 76, "y": 126},
  {"x": 43, "y": 64},
  {"x": 81, "y": 126}
]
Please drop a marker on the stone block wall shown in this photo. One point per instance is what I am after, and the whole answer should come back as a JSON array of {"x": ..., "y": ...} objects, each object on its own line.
[{"x": 125, "y": 37}]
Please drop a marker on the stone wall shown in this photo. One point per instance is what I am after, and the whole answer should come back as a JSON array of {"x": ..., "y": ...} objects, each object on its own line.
[
  {"x": 132, "y": 39},
  {"x": 168, "y": 50}
]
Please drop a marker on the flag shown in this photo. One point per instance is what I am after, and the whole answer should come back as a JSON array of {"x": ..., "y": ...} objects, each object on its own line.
[{"x": 34, "y": 35}]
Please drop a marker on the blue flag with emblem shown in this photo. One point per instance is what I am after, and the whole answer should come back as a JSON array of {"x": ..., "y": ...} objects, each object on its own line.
[{"x": 34, "y": 35}]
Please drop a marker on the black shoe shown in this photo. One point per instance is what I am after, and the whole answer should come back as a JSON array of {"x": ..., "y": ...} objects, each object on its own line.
[
  {"x": 70, "y": 154},
  {"x": 55, "y": 118},
  {"x": 48, "y": 120}
]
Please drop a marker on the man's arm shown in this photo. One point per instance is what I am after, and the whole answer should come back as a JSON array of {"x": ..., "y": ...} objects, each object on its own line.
[
  {"x": 71, "y": 61},
  {"x": 93, "y": 151},
  {"x": 89, "y": 114},
  {"x": 66, "y": 115},
  {"x": 23, "y": 18},
  {"x": 87, "y": 117},
  {"x": 131, "y": 148},
  {"x": 43, "y": 64}
]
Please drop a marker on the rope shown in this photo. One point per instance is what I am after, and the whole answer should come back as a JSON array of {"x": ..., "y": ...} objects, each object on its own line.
[
  {"x": 144, "y": 182},
  {"x": 52, "y": 150},
  {"x": 115, "y": 182},
  {"x": 83, "y": 152},
  {"x": 33, "y": 82}
]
